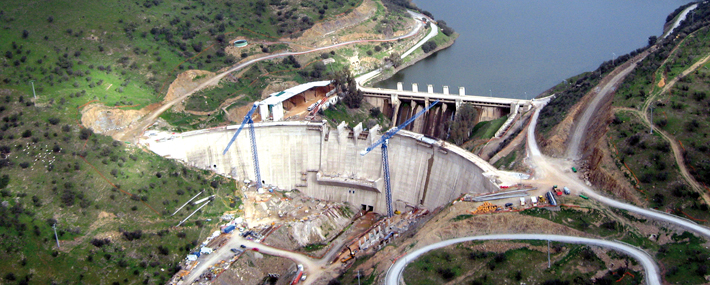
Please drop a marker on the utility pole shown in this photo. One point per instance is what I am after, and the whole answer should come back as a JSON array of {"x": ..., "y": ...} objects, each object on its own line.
[
  {"x": 526, "y": 96},
  {"x": 613, "y": 59},
  {"x": 33, "y": 89},
  {"x": 548, "y": 255},
  {"x": 490, "y": 93},
  {"x": 54, "y": 226},
  {"x": 358, "y": 277}
]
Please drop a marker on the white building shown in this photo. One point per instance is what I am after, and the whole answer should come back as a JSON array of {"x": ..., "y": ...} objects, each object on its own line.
[{"x": 275, "y": 106}]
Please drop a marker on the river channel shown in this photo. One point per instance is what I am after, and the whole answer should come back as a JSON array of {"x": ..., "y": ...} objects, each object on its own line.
[{"x": 508, "y": 48}]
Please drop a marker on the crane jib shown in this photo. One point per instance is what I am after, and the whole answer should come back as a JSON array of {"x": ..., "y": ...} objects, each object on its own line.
[{"x": 247, "y": 120}]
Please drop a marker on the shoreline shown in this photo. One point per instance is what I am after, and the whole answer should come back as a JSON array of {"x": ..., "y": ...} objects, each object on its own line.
[{"x": 386, "y": 75}]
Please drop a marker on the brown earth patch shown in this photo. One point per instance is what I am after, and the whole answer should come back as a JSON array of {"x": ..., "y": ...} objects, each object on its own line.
[
  {"x": 277, "y": 86},
  {"x": 355, "y": 17},
  {"x": 105, "y": 119},
  {"x": 184, "y": 83}
]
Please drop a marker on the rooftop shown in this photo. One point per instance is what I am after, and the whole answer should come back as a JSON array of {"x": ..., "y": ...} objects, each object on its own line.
[{"x": 278, "y": 97}]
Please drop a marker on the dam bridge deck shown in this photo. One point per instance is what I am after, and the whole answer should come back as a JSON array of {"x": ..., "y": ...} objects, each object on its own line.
[{"x": 458, "y": 99}]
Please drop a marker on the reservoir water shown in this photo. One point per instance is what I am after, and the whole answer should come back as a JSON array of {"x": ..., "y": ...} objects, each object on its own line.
[{"x": 509, "y": 47}]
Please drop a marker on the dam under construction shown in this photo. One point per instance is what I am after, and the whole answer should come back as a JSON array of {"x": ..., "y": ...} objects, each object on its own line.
[{"x": 325, "y": 163}]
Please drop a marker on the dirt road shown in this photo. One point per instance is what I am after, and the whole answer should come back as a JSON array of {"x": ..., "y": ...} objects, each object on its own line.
[
  {"x": 554, "y": 170},
  {"x": 677, "y": 153},
  {"x": 581, "y": 127}
]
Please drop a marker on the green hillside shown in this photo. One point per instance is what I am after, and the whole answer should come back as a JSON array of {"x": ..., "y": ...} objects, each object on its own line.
[{"x": 111, "y": 201}]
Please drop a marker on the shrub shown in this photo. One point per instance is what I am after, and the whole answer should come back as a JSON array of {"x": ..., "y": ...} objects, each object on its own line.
[
  {"x": 429, "y": 46},
  {"x": 163, "y": 250},
  {"x": 85, "y": 133},
  {"x": 130, "y": 236},
  {"x": 27, "y": 134},
  {"x": 375, "y": 112},
  {"x": 100, "y": 242}
]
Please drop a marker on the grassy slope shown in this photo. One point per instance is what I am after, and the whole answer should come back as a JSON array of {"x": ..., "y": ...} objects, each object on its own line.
[
  {"x": 44, "y": 174},
  {"x": 681, "y": 112},
  {"x": 57, "y": 183}
]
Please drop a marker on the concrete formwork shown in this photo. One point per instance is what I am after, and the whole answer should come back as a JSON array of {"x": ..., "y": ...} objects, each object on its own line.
[{"x": 326, "y": 163}]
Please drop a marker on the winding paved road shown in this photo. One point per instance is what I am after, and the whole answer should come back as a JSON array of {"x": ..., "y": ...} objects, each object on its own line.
[
  {"x": 394, "y": 274},
  {"x": 132, "y": 132},
  {"x": 548, "y": 168}
]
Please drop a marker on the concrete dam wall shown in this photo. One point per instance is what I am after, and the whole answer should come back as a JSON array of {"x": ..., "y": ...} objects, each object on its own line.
[
  {"x": 325, "y": 163},
  {"x": 432, "y": 123}
]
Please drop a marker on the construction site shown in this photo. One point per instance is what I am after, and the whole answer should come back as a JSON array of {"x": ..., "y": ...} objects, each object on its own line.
[{"x": 321, "y": 194}]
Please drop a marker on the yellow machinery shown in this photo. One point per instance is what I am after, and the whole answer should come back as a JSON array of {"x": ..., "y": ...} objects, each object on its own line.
[{"x": 484, "y": 208}]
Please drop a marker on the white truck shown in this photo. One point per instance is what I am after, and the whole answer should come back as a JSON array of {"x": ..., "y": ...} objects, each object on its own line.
[
  {"x": 533, "y": 200},
  {"x": 522, "y": 201}
]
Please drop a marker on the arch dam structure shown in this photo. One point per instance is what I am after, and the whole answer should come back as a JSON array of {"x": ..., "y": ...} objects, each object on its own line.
[
  {"x": 325, "y": 162},
  {"x": 400, "y": 105}
]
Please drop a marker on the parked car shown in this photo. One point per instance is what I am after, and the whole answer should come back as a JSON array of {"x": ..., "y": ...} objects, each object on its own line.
[
  {"x": 234, "y": 250},
  {"x": 508, "y": 205}
]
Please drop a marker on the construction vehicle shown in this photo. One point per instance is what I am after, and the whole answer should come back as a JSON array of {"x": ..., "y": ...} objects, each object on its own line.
[
  {"x": 551, "y": 199},
  {"x": 299, "y": 274},
  {"x": 348, "y": 258},
  {"x": 541, "y": 199},
  {"x": 384, "y": 141},
  {"x": 248, "y": 120}
]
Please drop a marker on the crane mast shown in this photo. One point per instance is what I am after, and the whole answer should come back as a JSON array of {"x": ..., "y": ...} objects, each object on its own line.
[
  {"x": 248, "y": 120},
  {"x": 383, "y": 141}
]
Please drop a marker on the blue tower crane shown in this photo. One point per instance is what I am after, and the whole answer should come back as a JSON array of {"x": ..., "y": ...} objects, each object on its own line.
[
  {"x": 248, "y": 120},
  {"x": 385, "y": 158}
]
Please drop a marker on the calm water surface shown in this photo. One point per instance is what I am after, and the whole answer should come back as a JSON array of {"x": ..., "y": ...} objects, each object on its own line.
[{"x": 509, "y": 47}]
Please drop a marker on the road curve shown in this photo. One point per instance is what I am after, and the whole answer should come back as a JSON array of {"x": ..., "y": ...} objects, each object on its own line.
[
  {"x": 394, "y": 274},
  {"x": 546, "y": 168},
  {"x": 132, "y": 132}
]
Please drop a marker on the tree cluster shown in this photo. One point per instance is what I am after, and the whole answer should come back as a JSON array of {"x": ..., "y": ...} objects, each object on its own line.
[
  {"x": 347, "y": 89},
  {"x": 429, "y": 46},
  {"x": 448, "y": 31},
  {"x": 463, "y": 123}
]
